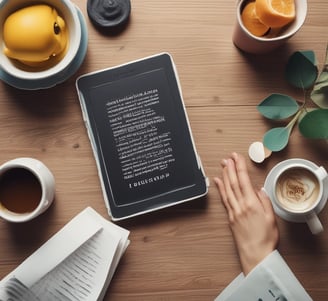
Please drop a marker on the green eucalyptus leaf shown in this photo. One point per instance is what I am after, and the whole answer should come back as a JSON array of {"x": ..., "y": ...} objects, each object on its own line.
[
  {"x": 276, "y": 139},
  {"x": 320, "y": 97},
  {"x": 322, "y": 80},
  {"x": 301, "y": 69},
  {"x": 310, "y": 55},
  {"x": 320, "y": 90},
  {"x": 278, "y": 106},
  {"x": 315, "y": 124}
]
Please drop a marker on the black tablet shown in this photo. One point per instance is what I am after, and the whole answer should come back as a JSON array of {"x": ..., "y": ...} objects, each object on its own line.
[{"x": 140, "y": 135}]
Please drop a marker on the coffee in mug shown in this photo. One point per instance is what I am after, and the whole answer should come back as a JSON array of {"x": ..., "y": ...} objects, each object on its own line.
[
  {"x": 27, "y": 189},
  {"x": 297, "y": 189}
]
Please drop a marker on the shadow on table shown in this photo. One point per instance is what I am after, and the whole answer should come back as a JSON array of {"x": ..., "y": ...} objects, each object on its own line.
[
  {"x": 300, "y": 235},
  {"x": 189, "y": 209},
  {"x": 34, "y": 231}
]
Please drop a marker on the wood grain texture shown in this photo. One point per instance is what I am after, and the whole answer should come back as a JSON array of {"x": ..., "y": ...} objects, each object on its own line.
[{"x": 184, "y": 252}]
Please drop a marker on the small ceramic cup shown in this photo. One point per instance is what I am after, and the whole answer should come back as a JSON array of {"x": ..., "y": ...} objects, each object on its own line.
[
  {"x": 298, "y": 193},
  {"x": 27, "y": 189},
  {"x": 250, "y": 43},
  {"x": 67, "y": 10}
]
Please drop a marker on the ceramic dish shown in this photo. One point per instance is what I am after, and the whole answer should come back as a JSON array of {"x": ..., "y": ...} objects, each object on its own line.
[
  {"x": 268, "y": 186},
  {"x": 56, "y": 79},
  {"x": 55, "y": 65}
]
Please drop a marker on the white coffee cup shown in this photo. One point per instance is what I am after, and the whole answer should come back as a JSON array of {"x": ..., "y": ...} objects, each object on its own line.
[
  {"x": 27, "y": 189},
  {"x": 250, "y": 43},
  {"x": 298, "y": 192}
]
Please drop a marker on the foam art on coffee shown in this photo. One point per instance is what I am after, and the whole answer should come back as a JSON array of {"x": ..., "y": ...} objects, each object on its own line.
[{"x": 297, "y": 189}]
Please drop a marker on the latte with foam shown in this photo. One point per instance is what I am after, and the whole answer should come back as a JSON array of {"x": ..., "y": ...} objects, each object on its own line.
[{"x": 297, "y": 189}]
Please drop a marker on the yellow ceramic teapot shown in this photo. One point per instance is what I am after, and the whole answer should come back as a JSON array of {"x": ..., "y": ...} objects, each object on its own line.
[{"x": 34, "y": 34}]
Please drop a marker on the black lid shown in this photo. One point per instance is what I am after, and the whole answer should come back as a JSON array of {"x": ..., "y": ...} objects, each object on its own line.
[{"x": 108, "y": 13}]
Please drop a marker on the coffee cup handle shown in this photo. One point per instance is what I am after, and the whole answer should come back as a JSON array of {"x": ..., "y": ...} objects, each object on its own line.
[
  {"x": 314, "y": 223},
  {"x": 321, "y": 173}
]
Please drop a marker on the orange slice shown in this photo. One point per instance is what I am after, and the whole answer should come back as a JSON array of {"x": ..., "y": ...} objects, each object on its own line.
[
  {"x": 275, "y": 13},
  {"x": 251, "y": 20}
]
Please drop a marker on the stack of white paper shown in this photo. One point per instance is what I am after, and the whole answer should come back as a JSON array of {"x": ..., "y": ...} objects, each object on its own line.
[{"x": 77, "y": 263}]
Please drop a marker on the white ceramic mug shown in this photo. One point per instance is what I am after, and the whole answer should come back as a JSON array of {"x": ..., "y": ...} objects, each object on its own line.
[
  {"x": 27, "y": 189},
  {"x": 298, "y": 193},
  {"x": 250, "y": 43}
]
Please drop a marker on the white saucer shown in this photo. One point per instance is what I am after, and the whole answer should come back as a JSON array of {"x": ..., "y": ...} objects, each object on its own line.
[
  {"x": 59, "y": 78},
  {"x": 268, "y": 186}
]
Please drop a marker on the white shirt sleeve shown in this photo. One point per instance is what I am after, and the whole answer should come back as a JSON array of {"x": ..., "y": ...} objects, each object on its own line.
[{"x": 270, "y": 280}]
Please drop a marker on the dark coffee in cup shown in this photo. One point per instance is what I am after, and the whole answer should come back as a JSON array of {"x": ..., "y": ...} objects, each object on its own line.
[
  {"x": 20, "y": 190},
  {"x": 297, "y": 189},
  {"x": 27, "y": 189}
]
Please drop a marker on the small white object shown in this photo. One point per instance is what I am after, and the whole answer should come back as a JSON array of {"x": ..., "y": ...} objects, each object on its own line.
[{"x": 258, "y": 152}]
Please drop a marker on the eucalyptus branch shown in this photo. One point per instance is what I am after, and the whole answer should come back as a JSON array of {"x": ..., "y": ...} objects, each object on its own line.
[{"x": 301, "y": 72}]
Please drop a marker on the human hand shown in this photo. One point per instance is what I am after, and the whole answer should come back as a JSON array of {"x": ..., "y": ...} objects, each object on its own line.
[{"x": 250, "y": 213}]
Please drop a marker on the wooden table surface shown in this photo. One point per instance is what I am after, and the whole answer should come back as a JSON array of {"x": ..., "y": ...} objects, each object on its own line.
[{"x": 184, "y": 252}]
